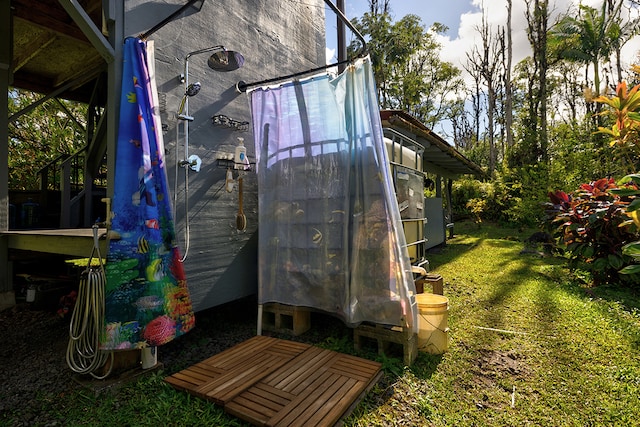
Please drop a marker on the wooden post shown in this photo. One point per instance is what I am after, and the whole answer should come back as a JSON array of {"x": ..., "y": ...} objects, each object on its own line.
[{"x": 6, "y": 45}]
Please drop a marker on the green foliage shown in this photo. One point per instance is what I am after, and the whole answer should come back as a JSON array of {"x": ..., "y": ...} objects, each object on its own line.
[
  {"x": 463, "y": 191},
  {"x": 593, "y": 224},
  {"x": 38, "y": 137},
  {"x": 409, "y": 73},
  {"x": 525, "y": 192},
  {"x": 484, "y": 201},
  {"x": 515, "y": 196},
  {"x": 577, "y": 155}
]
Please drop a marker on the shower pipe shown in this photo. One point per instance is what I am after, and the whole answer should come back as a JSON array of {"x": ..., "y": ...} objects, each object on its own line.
[
  {"x": 242, "y": 86},
  {"x": 220, "y": 60},
  {"x": 183, "y": 116}
]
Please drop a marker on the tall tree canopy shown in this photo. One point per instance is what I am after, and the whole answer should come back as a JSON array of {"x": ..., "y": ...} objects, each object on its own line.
[
  {"x": 408, "y": 71},
  {"x": 587, "y": 38}
]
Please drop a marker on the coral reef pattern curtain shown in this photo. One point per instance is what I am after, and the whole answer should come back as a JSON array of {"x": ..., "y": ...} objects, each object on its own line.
[
  {"x": 330, "y": 234},
  {"x": 147, "y": 301}
]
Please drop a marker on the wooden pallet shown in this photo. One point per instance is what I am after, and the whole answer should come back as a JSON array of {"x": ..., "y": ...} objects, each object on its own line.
[
  {"x": 303, "y": 386},
  {"x": 385, "y": 336},
  {"x": 286, "y": 319},
  {"x": 222, "y": 377},
  {"x": 434, "y": 280}
]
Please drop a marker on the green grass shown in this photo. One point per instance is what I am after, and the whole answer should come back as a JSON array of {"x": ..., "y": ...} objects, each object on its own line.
[
  {"x": 571, "y": 353},
  {"x": 521, "y": 331}
]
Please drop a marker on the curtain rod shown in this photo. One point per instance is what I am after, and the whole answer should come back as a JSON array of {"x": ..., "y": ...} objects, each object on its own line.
[{"x": 242, "y": 86}]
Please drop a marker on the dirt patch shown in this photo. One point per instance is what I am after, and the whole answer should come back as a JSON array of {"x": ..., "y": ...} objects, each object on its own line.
[
  {"x": 35, "y": 372},
  {"x": 495, "y": 375},
  {"x": 502, "y": 363}
]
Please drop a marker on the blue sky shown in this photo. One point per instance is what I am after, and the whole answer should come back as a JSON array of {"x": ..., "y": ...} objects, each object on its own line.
[
  {"x": 463, "y": 17},
  {"x": 447, "y": 12}
]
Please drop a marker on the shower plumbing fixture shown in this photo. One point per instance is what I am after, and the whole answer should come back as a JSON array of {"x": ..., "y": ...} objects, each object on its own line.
[
  {"x": 192, "y": 90},
  {"x": 219, "y": 60},
  {"x": 193, "y": 162}
]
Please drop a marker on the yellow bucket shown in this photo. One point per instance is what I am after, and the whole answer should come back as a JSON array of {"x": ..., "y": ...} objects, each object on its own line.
[{"x": 433, "y": 336}]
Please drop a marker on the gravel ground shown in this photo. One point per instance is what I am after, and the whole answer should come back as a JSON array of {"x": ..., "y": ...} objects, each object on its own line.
[{"x": 33, "y": 346}]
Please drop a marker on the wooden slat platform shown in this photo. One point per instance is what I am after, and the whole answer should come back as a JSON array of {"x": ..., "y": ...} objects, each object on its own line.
[{"x": 273, "y": 382}]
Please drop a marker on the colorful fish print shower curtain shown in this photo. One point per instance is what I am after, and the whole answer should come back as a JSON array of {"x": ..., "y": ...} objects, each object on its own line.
[{"x": 147, "y": 302}]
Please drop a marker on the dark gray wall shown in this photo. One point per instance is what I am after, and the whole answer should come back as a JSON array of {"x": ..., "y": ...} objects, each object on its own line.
[{"x": 276, "y": 38}]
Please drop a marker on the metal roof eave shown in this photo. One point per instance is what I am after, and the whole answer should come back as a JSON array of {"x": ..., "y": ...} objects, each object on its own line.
[{"x": 439, "y": 156}]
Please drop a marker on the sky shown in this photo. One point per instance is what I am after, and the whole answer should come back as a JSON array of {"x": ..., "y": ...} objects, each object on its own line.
[
  {"x": 430, "y": 11},
  {"x": 463, "y": 17}
]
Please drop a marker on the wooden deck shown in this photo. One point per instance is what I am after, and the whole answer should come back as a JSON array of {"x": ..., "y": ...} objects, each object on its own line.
[
  {"x": 71, "y": 241},
  {"x": 273, "y": 382}
]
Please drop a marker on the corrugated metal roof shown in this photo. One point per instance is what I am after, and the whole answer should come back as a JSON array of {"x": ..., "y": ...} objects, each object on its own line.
[{"x": 439, "y": 157}]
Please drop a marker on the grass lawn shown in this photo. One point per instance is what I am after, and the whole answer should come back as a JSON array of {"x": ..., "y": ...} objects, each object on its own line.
[{"x": 527, "y": 346}]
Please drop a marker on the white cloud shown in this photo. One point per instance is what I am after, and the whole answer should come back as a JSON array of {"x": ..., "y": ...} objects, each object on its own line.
[{"x": 455, "y": 50}]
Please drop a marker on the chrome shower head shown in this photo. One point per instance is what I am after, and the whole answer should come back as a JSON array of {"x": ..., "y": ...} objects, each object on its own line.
[
  {"x": 193, "y": 89},
  {"x": 225, "y": 60}
]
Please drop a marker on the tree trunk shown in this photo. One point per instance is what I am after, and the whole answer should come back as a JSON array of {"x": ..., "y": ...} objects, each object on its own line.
[{"x": 508, "y": 93}]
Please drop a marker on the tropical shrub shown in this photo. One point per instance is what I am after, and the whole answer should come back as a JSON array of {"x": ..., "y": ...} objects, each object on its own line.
[
  {"x": 484, "y": 201},
  {"x": 624, "y": 133},
  {"x": 513, "y": 197},
  {"x": 633, "y": 211},
  {"x": 593, "y": 226},
  {"x": 624, "y": 110}
]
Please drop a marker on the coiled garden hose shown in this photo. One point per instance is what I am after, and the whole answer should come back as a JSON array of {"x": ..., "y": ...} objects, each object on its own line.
[{"x": 87, "y": 320}]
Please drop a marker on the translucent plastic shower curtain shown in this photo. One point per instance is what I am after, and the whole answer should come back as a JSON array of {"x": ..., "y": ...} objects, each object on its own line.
[{"x": 330, "y": 235}]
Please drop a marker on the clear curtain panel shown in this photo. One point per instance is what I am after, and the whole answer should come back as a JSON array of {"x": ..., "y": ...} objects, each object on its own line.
[{"x": 330, "y": 235}]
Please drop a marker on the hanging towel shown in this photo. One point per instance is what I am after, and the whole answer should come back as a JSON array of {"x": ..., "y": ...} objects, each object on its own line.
[{"x": 147, "y": 302}]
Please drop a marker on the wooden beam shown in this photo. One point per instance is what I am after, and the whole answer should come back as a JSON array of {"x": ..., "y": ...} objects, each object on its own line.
[
  {"x": 94, "y": 34},
  {"x": 73, "y": 242},
  {"x": 49, "y": 19},
  {"x": 36, "y": 45},
  {"x": 6, "y": 41}
]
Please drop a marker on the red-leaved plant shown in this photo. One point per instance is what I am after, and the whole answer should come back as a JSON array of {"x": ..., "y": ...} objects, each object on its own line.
[{"x": 593, "y": 226}]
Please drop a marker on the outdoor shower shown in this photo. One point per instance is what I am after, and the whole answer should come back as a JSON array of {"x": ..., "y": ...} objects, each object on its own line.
[{"x": 220, "y": 60}]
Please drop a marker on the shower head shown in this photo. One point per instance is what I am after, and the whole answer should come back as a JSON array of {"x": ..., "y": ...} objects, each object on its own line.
[
  {"x": 225, "y": 60},
  {"x": 193, "y": 89},
  {"x": 220, "y": 60}
]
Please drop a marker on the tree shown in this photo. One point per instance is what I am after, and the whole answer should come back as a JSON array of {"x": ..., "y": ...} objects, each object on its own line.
[
  {"x": 486, "y": 64},
  {"x": 508, "y": 94},
  {"x": 625, "y": 30},
  {"x": 54, "y": 128},
  {"x": 587, "y": 39},
  {"x": 531, "y": 76},
  {"x": 409, "y": 74}
]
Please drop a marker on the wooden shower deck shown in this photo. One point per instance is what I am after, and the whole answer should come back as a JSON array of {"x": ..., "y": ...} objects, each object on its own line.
[
  {"x": 273, "y": 382},
  {"x": 75, "y": 242}
]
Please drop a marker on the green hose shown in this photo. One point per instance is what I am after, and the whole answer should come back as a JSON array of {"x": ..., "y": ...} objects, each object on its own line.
[{"x": 83, "y": 352}]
